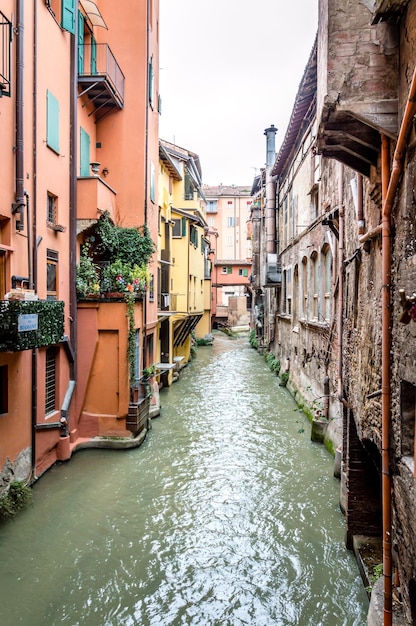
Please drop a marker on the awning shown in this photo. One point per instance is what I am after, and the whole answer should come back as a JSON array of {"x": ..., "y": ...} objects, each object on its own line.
[{"x": 93, "y": 13}]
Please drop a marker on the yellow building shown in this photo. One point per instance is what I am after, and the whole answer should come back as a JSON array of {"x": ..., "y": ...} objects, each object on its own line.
[{"x": 184, "y": 271}]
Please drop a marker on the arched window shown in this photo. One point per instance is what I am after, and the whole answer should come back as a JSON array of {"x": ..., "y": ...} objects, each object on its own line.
[
  {"x": 304, "y": 303},
  {"x": 327, "y": 280},
  {"x": 315, "y": 285}
]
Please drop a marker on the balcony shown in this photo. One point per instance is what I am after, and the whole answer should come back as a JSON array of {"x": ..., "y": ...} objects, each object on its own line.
[
  {"x": 95, "y": 197},
  {"x": 388, "y": 9},
  {"x": 25, "y": 325},
  {"x": 100, "y": 78},
  {"x": 357, "y": 89}
]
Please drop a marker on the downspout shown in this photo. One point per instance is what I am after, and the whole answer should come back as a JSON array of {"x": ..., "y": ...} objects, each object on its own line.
[
  {"x": 385, "y": 384},
  {"x": 73, "y": 203},
  {"x": 388, "y": 201},
  {"x": 33, "y": 252},
  {"x": 146, "y": 155},
  {"x": 18, "y": 205},
  {"x": 341, "y": 286},
  {"x": 360, "y": 205}
]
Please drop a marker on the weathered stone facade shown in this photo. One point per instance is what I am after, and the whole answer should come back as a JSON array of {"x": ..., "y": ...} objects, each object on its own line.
[{"x": 345, "y": 191}]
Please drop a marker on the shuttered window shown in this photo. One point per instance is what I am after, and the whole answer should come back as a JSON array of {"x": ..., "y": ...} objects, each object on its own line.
[
  {"x": 84, "y": 153},
  {"x": 68, "y": 15},
  {"x": 52, "y": 121}
]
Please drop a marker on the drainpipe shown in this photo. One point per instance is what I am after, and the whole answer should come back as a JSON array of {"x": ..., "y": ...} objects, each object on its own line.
[
  {"x": 340, "y": 284},
  {"x": 73, "y": 202},
  {"x": 18, "y": 205},
  {"x": 146, "y": 158},
  {"x": 388, "y": 201},
  {"x": 385, "y": 385}
]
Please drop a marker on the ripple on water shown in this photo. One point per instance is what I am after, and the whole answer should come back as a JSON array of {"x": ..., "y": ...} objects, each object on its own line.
[{"x": 226, "y": 516}]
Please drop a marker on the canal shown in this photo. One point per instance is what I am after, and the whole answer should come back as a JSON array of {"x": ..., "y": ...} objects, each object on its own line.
[{"x": 227, "y": 515}]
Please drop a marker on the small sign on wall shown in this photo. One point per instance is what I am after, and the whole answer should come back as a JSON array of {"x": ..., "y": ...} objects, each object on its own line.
[{"x": 27, "y": 322}]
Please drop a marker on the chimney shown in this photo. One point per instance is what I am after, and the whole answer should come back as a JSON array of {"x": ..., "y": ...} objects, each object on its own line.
[{"x": 270, "y": 145}]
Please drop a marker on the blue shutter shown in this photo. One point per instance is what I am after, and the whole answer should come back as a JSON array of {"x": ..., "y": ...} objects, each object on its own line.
[
  {"x": 151, "y": 78},
  {"x": 93, "y": 55},
  {"x": 84, "y": 153},
  {"x": 80, "y": 43},
  {"x": 52, "y": 121},
  {"x": 68, "y": 15}
]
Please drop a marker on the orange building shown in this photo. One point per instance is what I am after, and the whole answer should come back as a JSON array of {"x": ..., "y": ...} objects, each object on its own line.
[
  {"x": 83, "y": 146},
  {"x": 228, "y": 215}
]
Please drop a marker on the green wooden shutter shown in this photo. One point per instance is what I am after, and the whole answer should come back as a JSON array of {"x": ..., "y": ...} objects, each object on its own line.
[
  {"x": 183, "y": 226},
  {"x": 229, "y": 270},
  {"x": 84, "y": 153},
  {"x": 245, "y": 272},
  {"x": 93, "y": 55},
  {"x": 151, "y": 79},
  {"x": 68, "y": 15},
  {"x": 52, "y": 121},
  {"x": 80, "y": 43}
]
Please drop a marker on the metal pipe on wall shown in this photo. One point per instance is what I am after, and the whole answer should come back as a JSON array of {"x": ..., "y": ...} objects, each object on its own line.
[{"x": 388, "y": 201}]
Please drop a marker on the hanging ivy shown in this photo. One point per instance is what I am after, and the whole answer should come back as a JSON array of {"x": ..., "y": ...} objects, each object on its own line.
[
  {"x": 50, "y": 321},
  {"x": 131, "y": 245},
  {"x": 131, "y": 337}
]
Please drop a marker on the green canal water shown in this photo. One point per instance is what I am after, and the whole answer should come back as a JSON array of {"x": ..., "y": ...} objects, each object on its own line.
[{"x": 227, "y": 515}]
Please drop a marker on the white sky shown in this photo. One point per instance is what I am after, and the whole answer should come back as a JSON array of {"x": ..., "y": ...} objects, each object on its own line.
[{"x": 230, "y": 69}]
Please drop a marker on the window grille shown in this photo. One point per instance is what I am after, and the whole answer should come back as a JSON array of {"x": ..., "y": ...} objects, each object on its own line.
[{"x": 50, "y": 381}]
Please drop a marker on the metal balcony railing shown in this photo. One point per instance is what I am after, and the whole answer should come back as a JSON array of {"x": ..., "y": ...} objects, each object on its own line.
[{"x": 101, "y": 78}]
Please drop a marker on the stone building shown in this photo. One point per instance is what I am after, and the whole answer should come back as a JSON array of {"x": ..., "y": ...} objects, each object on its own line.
[{"x": 343, "y": 320}]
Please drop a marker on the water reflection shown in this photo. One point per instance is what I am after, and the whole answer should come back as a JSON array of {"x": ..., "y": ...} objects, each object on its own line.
[{"x": 227, "y": 515}]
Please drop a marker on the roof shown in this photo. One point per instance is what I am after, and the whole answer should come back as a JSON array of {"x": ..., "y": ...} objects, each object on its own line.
[
  {"x": 224, "y": 190},
  {"x": 303, "y": 112}
]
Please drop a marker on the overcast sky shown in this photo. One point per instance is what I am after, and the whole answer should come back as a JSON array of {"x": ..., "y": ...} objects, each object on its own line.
[{"x": 230, "y": 69}]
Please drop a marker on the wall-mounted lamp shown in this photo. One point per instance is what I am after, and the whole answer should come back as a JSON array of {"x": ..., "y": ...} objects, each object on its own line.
[{"x": 105, "y": 172}]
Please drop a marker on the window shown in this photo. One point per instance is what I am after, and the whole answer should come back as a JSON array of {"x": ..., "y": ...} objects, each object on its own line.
[
  {"x": 315, "y": 285},
  {"x": 327, "y": 262},
  {"x": 230, "y": 222},
  {"x": 227, "y": 270},
  {"x": 211, "y": 221},
  {"x": 189, "y": 189},
  {"x": 84, "y": 153},
  {"x": 151, "y": 81},
  {"x": 212, "y": 206},
  {"x": 51, "y": 274},
  {"x": 407, "y": 409},
  {"x": 224, "y": 270},
  {"x": 243, "y": 272},
  {"x": 4, "y": 389},
  {"x": 52, "y": 121},
  {"x": 5, "y": 59},
  {"x": 51, "y": 208},
  {"x": 2, "y": 274},
  {"x": 152, "y": 288},
  {"x": 305, "y": 287},
  {"x": 179, "y": 227},
  {"x": 152, "y": 181},
  {"x": 193, "y": 236},
  {"x": 50, "y": 381},
  {"x": 81, "y": 24},
  {"x": 68, "y": 15}
]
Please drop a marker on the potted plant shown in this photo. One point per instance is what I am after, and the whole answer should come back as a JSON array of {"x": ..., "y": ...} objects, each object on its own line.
[{"x": 87, "y": 282}]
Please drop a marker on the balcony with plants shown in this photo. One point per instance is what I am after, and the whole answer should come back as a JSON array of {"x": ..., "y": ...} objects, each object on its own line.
[{"x": 114, "y": 262}]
